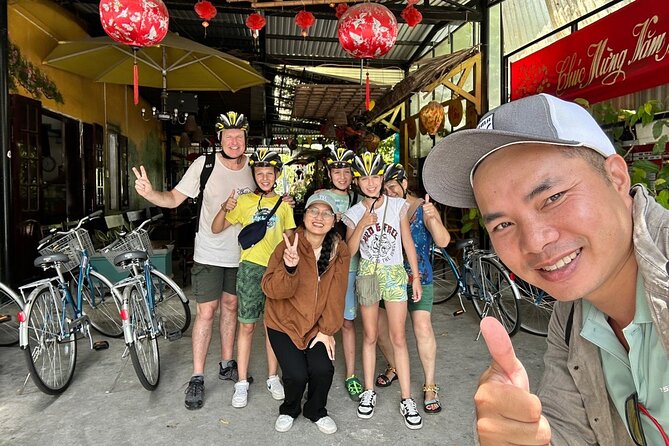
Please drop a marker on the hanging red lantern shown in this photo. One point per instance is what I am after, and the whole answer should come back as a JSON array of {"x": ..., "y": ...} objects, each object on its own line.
[
  {"x": 305, "y": 20},
  {"x": 367, "y": 30},
  {"x": 412, "y": 16},
  {"x": 412, "y": 2},
  {"x": 255, "y": 22},
  {"x": 206, "y": 11},
  {"x": 136, "y": 23},
  {"x": 341, "y": 9}
]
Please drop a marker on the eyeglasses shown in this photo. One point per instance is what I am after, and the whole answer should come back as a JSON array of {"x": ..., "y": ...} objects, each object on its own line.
[
  {"x": 633, "y": 411},
  {"x": 325, "y": 214}
]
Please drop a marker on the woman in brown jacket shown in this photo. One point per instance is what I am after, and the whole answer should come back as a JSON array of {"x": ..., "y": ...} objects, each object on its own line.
[{"x": 305, "y": 284}]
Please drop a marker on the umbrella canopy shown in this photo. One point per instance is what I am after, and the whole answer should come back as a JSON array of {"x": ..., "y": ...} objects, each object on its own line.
[{"x": 175, "y": 64}]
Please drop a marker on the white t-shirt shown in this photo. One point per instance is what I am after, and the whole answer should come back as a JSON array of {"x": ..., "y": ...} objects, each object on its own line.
[
  {"x": 386, "y": 244},
  {"x": 216, "y": 249}
]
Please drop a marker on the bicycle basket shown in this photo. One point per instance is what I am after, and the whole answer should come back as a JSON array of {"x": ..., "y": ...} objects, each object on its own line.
[
  {"x": 72, "y": 246},
  {"x": 135, "y": 241}
]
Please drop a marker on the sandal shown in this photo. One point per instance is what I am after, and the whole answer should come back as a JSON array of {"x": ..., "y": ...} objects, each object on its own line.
[
  {"x": 383, "y": 381},
  {"x": 431, "y": 406}
]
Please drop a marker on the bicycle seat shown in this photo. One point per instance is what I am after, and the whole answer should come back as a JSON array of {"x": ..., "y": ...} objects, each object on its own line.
[
  {"x": 464, "y": 243},
  {"x": 51, "y": 258},
  {"x": 128, "y": 256}
]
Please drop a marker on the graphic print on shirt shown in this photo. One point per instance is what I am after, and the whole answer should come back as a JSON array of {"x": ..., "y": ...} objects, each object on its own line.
[
  {"x": 379, "y": 245},
  {"x": 261, "y": 214}
]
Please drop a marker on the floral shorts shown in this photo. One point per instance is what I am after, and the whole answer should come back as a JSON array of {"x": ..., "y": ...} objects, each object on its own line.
[{"x": 392, "y": 279}]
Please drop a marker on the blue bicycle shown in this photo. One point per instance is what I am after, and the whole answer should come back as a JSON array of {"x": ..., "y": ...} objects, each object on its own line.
[{"x": 53, "y": 320}]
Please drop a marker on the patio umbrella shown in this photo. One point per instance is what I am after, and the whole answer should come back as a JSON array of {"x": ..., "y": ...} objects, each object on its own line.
[{"x": 175, "y": 64}]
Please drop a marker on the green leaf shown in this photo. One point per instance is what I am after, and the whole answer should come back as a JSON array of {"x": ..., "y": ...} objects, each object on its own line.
[
  {"x": 663, "y": 198},
  {"x": 657, "y": 129},
  {"x": 466, "y": 228},
  {"x": 660, "y": 145},
  {"x": 648, "y": 108},
  {"x": 647, "y": 166},
  {"x": 633, "y": 120},
  {"x": 473, "y": 212}
]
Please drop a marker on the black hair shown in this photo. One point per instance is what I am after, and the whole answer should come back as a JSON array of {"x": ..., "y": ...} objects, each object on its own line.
[{"x": 326, "y": 250}]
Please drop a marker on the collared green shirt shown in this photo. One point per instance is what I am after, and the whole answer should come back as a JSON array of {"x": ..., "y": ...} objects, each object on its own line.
[{"x": 644, "y": 369}]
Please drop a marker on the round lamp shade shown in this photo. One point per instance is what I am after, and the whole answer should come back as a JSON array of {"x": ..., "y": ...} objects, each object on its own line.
[{"x": 367, "y": 30}]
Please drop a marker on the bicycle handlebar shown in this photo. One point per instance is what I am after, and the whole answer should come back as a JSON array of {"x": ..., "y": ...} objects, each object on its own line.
[
  {"x": 149, "y": 220},
  {"x": 54, "y": 232}
]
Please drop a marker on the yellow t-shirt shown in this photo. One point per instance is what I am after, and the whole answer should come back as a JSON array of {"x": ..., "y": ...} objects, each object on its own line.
[{"x": 249, "y": 210}]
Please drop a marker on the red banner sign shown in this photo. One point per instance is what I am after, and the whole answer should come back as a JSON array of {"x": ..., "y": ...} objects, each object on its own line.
[{"x": 626, "y": 51}]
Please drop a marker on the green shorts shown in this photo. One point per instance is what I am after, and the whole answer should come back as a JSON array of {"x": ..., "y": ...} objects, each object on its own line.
[
  {"x": 210, "y": 281},
  {"x": 392, "y": 280},
  {"x": 250, "y": 298},
  {"x": 425, "y": 303}
]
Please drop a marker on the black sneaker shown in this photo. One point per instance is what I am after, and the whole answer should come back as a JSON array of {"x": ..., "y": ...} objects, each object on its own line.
[
  {"x": 195, "y": 393},
  {"x": 229, "y": 372}
]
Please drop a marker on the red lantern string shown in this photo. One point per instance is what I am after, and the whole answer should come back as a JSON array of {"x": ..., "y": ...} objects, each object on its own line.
[
  {"x": 367, "y": 93},
  {"x": 412, "y": 16},
  {"x": 135, "y": 76},
  {"x": 305, "y": 20},
  {"x": 255, "y": 22},
  {"x": 206, "y": 11},
  {"x": 341, "y": 9}
]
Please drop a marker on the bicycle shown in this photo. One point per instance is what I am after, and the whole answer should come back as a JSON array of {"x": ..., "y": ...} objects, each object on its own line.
[
  {"x": 483, "y": 280},
  {"x": 52, "y": 320},
  {"x": 11, "y": 304},
  {"x": 145, "y": 312},
  {"x": 536, "y": 307}
]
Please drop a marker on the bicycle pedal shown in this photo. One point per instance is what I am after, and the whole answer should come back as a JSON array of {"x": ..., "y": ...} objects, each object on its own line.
[
  {"x": 100, "y": 345},
  {"x": 173, "y": 335},
  {"x": 458, "y": 312}
]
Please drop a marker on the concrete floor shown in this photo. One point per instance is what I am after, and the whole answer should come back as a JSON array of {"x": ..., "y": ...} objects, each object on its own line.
[{"x": 106, "y": 404}]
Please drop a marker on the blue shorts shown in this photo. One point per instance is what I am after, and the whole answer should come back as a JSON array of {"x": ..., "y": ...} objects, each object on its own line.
[{"x": 351, "y": 304}]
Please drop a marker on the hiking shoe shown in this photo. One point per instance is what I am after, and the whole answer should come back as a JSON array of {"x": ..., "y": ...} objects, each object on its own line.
[
  {"x": 275, "y": 387},
  {"x": 367, "y": 403},
  {"x": 412, "y": 418},
  {"x": 195, "y": 393},
  {"x": 326, "y": 425},
  {"x": 353, "y": 387},
  {"x": 284, "y": 423},
  {"x": 229, "y": 372},
  {"x": 241, "y": 395}
]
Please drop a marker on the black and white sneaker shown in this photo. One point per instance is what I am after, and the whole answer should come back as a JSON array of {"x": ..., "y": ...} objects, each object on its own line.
[
  {"x": 409, "y": 411},
  {"x": 195, "y": 393},
  {"x": 367, "y": 403}
]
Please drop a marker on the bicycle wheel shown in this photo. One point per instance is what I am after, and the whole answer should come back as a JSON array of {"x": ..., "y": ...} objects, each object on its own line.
[
  {"x": 51, "y": 351},
  {"x": 444, "y": 278},
  {"x": 144, "y": 347},
  {"x": 495, "y": 294},
  {"x": 9, "y": 322},
  {"x": 536, "y": 307},
  {"x": 171, "y": 303},
  {"x": 101, "y": 305}
]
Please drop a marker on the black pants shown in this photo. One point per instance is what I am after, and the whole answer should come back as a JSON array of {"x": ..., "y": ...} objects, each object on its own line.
[{"x": 299, "y": 368}]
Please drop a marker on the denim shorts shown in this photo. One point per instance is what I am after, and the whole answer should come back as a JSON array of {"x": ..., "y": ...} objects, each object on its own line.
[{"x": 351, "y": 304}]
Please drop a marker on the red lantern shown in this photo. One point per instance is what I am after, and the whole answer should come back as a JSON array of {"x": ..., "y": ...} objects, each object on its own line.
[
  {"x": 412, "y": 2},
  {"x": 367, "y": 30},
  {"x": 305, "y": 20},
  {"x": 255, "y": 22},
  {"x": 136, "y": 23},
  {"x": 412, "y": 16},
  {"x": 206, "y": 11},
  {"x": 341, "y": 9}
]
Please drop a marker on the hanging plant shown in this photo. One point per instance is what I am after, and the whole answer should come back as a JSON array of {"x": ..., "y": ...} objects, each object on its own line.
[
  {"x": 305, "y": 20},
  {"x": 30, "y": 77},
  {"x": 255, "y": 22}
]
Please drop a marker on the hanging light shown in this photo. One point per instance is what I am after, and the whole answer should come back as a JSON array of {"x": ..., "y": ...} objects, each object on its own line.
[
  {"x": 367, "y": 30},
  {"x": 255, "y": 22},
  {"x": 305, "y": 20},
  {"x": 206, "y": 11},
  {"x": 175, "y": 116},
  {"x": 412, "y": 16}
]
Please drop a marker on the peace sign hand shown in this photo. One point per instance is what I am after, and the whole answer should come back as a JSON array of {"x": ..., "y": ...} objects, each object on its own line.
[
  {"x": 290, "y": 255},
  {"x": 142, "y": 184}
]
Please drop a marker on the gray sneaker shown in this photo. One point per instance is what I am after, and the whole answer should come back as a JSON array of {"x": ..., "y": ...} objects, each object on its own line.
[
  {"x": 229, "y": 372},
  {"x": 195, "y": 393}
]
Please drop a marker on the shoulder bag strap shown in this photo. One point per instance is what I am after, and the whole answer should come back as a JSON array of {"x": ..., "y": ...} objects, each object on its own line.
[{"x": 383, "y": 233}]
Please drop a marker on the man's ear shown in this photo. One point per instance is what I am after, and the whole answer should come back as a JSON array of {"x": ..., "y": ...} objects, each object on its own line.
[{"x": 617, "y": 171}]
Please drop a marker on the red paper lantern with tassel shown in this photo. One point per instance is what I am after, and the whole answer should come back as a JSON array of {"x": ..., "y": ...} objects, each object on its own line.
[
  {"x": 367, "y": 30},
  {"x": 136, "y": 23},
  {"x": 206, "y": 11},
  {"x": 341, "y": 9},
  {"x": 305, "y": 20},
  {"x": 255, "y": 22},
  {"x": 412, "y": 2},
  {"x": 412, "y": 16}
]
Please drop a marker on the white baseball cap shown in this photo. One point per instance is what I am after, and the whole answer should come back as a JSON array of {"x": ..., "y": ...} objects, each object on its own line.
[{"x": 539, "y": 119}]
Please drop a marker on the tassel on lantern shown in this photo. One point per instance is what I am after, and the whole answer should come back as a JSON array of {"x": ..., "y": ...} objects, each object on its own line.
[
  {"x": 255, "y": 22},
  {"x": 412, "y": 16},
  {"x": 135, "y": 77},
  {"x": 206, "y": 11},
  {"x": 305, "y": 20},
  {"x": 367, "y": 94}
]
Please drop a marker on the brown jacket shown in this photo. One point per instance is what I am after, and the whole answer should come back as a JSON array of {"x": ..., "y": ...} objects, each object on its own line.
[{"x": 302, "y": 304}]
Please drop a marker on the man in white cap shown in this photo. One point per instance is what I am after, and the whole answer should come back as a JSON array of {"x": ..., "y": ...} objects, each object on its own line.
[{"x": 556, "y": 201}]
